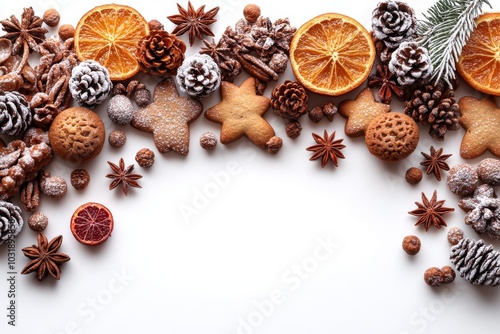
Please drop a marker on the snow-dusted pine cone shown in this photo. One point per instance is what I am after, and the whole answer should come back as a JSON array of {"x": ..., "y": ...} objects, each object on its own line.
[
  {"x": 11, "y": 221},
  {"x": 90, "y": 83},
  {"x": 477, "y": 263},
  {"x": 434, "y": 105},
  {"x": 393, "y": 22},
  {"x": 411, "y": 64},
  {"x": 198, "y": 76},
  {"x": 483, "y": 211},
  {"x": 15, "y": 113}
]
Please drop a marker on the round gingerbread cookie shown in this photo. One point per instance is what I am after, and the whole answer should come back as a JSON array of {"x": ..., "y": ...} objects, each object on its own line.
[
  {"x": 77, "y": 134},
  {"x": 392, "y": 136}
]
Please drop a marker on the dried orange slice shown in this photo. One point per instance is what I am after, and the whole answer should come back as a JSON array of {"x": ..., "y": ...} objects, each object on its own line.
[
  {"x": 332, "y": 54},
  {"x": 479, "y": 62},
  {"x": 109, "y": 34},
  {"x": 92, "y": 223}
]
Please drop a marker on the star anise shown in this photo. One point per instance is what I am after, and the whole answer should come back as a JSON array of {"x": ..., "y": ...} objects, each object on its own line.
[
  {"x": 435, "y": 162},
  {"x": 44, "y": 258},
  {"x": 25, "y": 34},
  {"x": 430, "y": 212},
  {"x": 327, "y": 148},
  {"x": 123, "y": 176},
  {"x": 385, "y": 81},
  {"x": 195, "y": 22}
]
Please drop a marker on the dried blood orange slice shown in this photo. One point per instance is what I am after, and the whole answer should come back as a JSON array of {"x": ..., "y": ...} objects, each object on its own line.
[{"x": 92, "y": 223}]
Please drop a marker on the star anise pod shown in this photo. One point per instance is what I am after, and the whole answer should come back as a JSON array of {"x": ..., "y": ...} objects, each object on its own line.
[
  {"x": 385, "y": 81},
  {"x": 44, "y": 258},
  {"x": 430, "y": 212},
  {"x": 27, "y": 33},
  {"x": 195, "y": 22},
  {"x": 327, "y": 148},
  {"x": 123, "y": 176},
  {"x": 435, "y": 162}
]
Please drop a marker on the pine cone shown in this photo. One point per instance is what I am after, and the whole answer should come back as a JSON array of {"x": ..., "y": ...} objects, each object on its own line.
[
  {"x": 160, "y": 53},
  {"x": 90, "y": 83},
  {"x": 483, "y": 211},
  {"x": 15, "y": 113},
  {"x": 11, "y": 221},
  {"x": 198, "y": 76},
  {"x": 411, "y": 64},
  {"x": 289, "y": 100},
  {"x": 435, "y": 105},
  {"x": 393, "y": 22},
  {"x": 477, "y": 263}
]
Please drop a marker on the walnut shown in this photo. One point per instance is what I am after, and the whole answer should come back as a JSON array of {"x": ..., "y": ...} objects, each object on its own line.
[
  {"x": 145, "y": 158},
  {"x": 117, "y": 138},
  {"x": 411, "y": 244},
  {"x": 38, "y": 222},
  {"x": 53, "y": 186},
  {"x": 208, "y": 141},
  {"x": 80, "y": 178},
  {"x": 436, "y": 277},
  {"x": 274, "y": 145},
  {"x": 155, "y": 25}
]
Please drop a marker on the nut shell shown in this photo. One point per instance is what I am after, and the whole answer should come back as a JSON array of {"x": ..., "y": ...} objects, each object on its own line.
[
  {"x": 392, "y": 136},
  {"x": 77, "y": 134}
]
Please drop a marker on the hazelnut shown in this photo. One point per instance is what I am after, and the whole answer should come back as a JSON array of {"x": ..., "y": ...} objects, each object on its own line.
[
  {"x": 145, "y": 158},
  {"x": 38, "y": 222},
  {"x": 413, "y": 175},
  {"x": 117, "y": 138},
  {"x": 455, "y": 234},
  {"x": 155, "y": 25},
  {"x": 274, "y": 145},
  {"x": 411, "y": 244},
  {"x": 251, "y": 12},
  {"x": 66, "y": 31},
  {"x": 315, "y": 114},
  {"x": 51, "y": 17},
  {"x": 448, "y": 274},
  {"x": 80, "y": 178},
  {"x": 208, "y": 141}
]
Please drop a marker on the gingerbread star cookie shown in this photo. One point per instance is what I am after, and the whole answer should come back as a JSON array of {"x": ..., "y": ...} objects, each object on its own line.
[
  {"x": 240, "y": 113},
  {"x": 168, "y": 118},
  {"x": 360, "y": 112},
  {"x": 481, "y": 120}
]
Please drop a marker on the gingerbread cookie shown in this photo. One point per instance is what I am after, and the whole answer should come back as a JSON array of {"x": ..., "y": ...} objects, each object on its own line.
[
  {"x": 240, "y": 113},
  {"x": 392, "y": 136},
  {"x": 360, "y": 112},
  {"x": 168, "y": 118},
  {"x": 77, "y": 134},
  {"x": 481, "y": 120}
]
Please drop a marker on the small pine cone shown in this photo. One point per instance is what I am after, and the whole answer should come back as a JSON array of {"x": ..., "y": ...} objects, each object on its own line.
[
  {"x": 393, "y": 22},
  {"x": 477, "y": 263},
  {"x": 483, "y": 211},
  {"x": 289, "y": 100},
  {"x": 15, "y": 113},
  {"x": 198, "y": 76},
  {"x": 11, "y": 221},
  {"x": 435, "y": 105},
  {"x": 90, "y": 83},
  {"x": 160, "y": 53},
  {"x": 410, "y": 63}
]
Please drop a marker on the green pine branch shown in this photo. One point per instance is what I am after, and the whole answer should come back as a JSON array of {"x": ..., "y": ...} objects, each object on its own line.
[{"x": 445, "y": 30}]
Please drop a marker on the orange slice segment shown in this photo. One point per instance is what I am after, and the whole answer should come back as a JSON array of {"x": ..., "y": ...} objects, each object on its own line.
[
  {"x": 332, "y": 54},
  {"x": 92, "y": 223},
  {"x": 479, "y": 62},
  {"x": 109, "y": 34}
]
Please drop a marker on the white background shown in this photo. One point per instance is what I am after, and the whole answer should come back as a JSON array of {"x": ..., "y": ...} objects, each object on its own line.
[{"x": 251, "y": 259}]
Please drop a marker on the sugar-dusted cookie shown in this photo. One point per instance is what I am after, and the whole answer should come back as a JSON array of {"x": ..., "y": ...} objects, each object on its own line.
[
  {"x": 360, "y": 112},
  {"x": 481, "y": 120},
  {"x": 240, "y": 113},
  {"x": 168, "y": 118},
  {"x": 392, "y": 136}
]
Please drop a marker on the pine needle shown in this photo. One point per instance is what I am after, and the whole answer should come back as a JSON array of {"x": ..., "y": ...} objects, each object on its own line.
[{"x": 445, "y": 30}]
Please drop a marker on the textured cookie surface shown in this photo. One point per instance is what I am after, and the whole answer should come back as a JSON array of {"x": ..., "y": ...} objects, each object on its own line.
[
  {"x": 392, "y": 136},
  {"x": 168, "y": 118},
  {"x": 240, "y": 113},
  {"x": 77, "y": 134},
  {"x": 360, "y": 112},
  {"x": 481, "y": 120}
]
